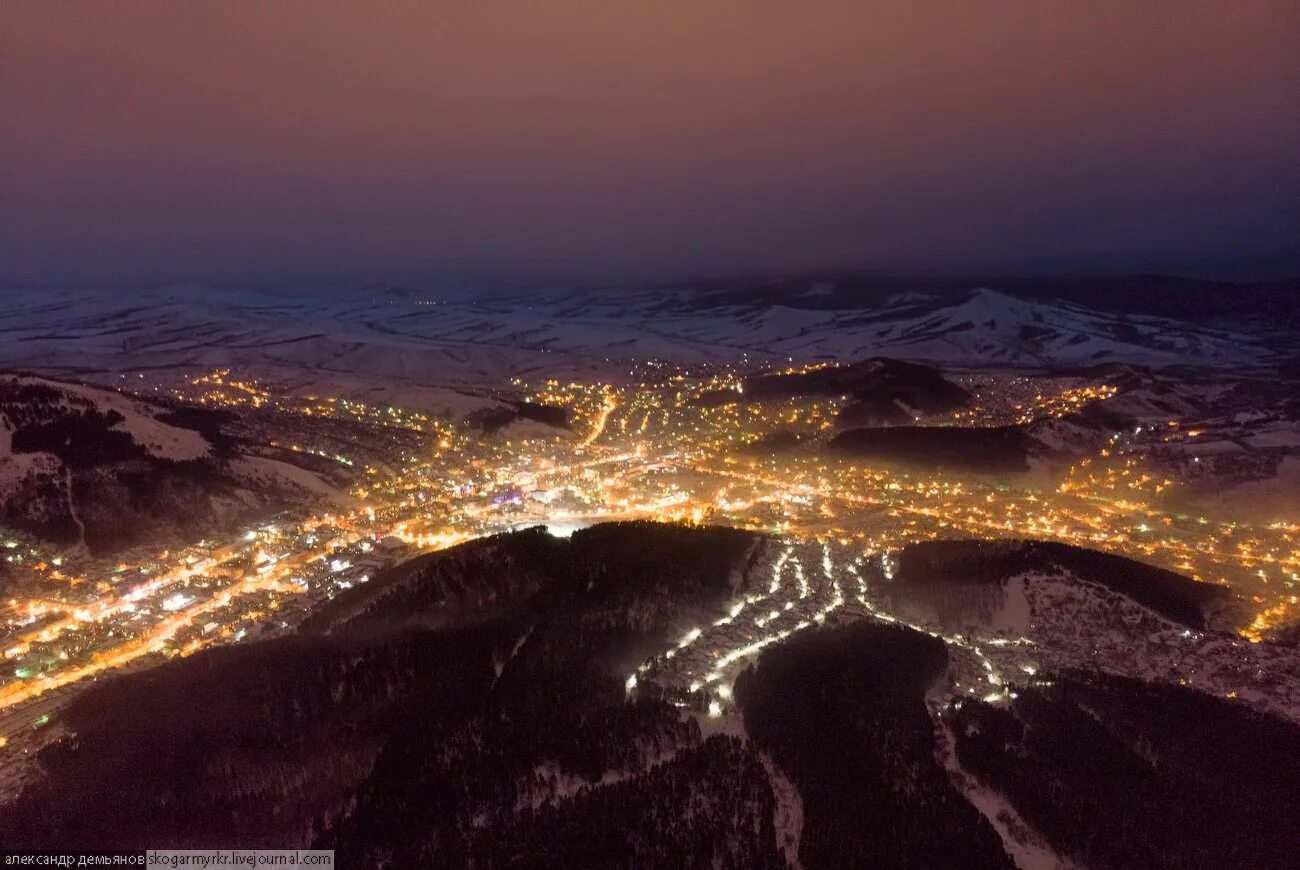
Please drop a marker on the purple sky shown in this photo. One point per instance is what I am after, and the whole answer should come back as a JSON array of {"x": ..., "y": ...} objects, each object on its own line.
[{"x": 316, "y": 141}]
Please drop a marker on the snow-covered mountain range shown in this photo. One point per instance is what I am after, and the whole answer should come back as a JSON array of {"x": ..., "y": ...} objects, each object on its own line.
[{"x": 414, "y": 337}]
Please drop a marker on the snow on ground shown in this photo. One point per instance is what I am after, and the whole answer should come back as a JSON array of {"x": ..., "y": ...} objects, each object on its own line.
[
  {"x": 1013, "y": 616},
  {"x": 520, "y": 430},
  {"x": 160, "y": 439},
  {"x": 553, "y": 784},
  {"x": 1076, "y": 624},
  {"x": 463, "y": 343},
  {"x": 432, "y": 401},
  {"x": 788, "y": 815},
  {"x": 163, "y": 441},
  {"x": 1271, "y": 499},
  {"x": 15, "y": 467},
  {"x": 1281, "y": 434},
  {"x": 1022, "y": 843},
  {"x": 258, "y": 471}
]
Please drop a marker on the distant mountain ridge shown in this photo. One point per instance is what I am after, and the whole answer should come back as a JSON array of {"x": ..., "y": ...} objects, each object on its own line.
[
  {"x": 1171, "y": 296},
  {"x": 402, "y": 335}
]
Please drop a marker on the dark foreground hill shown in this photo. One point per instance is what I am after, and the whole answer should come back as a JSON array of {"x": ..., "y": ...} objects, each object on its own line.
[
  {"x": 400, "y": 746},
  {"x": 1117, "y": 773},
  {"x": 843, "y": 713},
  {"x": 469, "y": 709}
]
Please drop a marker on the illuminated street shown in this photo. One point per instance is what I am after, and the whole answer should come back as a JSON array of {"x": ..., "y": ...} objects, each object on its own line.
[{"x": 649, "y": 449}]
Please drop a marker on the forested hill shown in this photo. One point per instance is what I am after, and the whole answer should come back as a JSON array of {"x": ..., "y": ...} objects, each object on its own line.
[
  {"x": 472, "y": 708},
  {"x": 482, "y": 741}
]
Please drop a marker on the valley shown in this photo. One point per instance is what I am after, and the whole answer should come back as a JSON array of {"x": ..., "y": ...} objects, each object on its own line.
[{"x": 841, "y": 471}]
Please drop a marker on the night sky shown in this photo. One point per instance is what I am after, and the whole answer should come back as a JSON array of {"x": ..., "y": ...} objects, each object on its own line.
[{"x": 298, "y": 142}]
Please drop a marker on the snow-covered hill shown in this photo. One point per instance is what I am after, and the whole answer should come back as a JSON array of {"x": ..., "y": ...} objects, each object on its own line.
[
  {"x": 994, "y": 327},
  {"x": 430, "y": 341},
  {"x": 97, "y": 469}
]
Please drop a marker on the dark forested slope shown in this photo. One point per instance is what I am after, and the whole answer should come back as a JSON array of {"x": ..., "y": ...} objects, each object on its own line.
[
  {"x": 1116, "y": 773},
  {"x": 481, "y": 742},
  {"x": 843, "y": 713}
]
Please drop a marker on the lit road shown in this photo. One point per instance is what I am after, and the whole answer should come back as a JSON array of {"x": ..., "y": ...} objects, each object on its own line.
[{"x": 650, "y": 451}]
